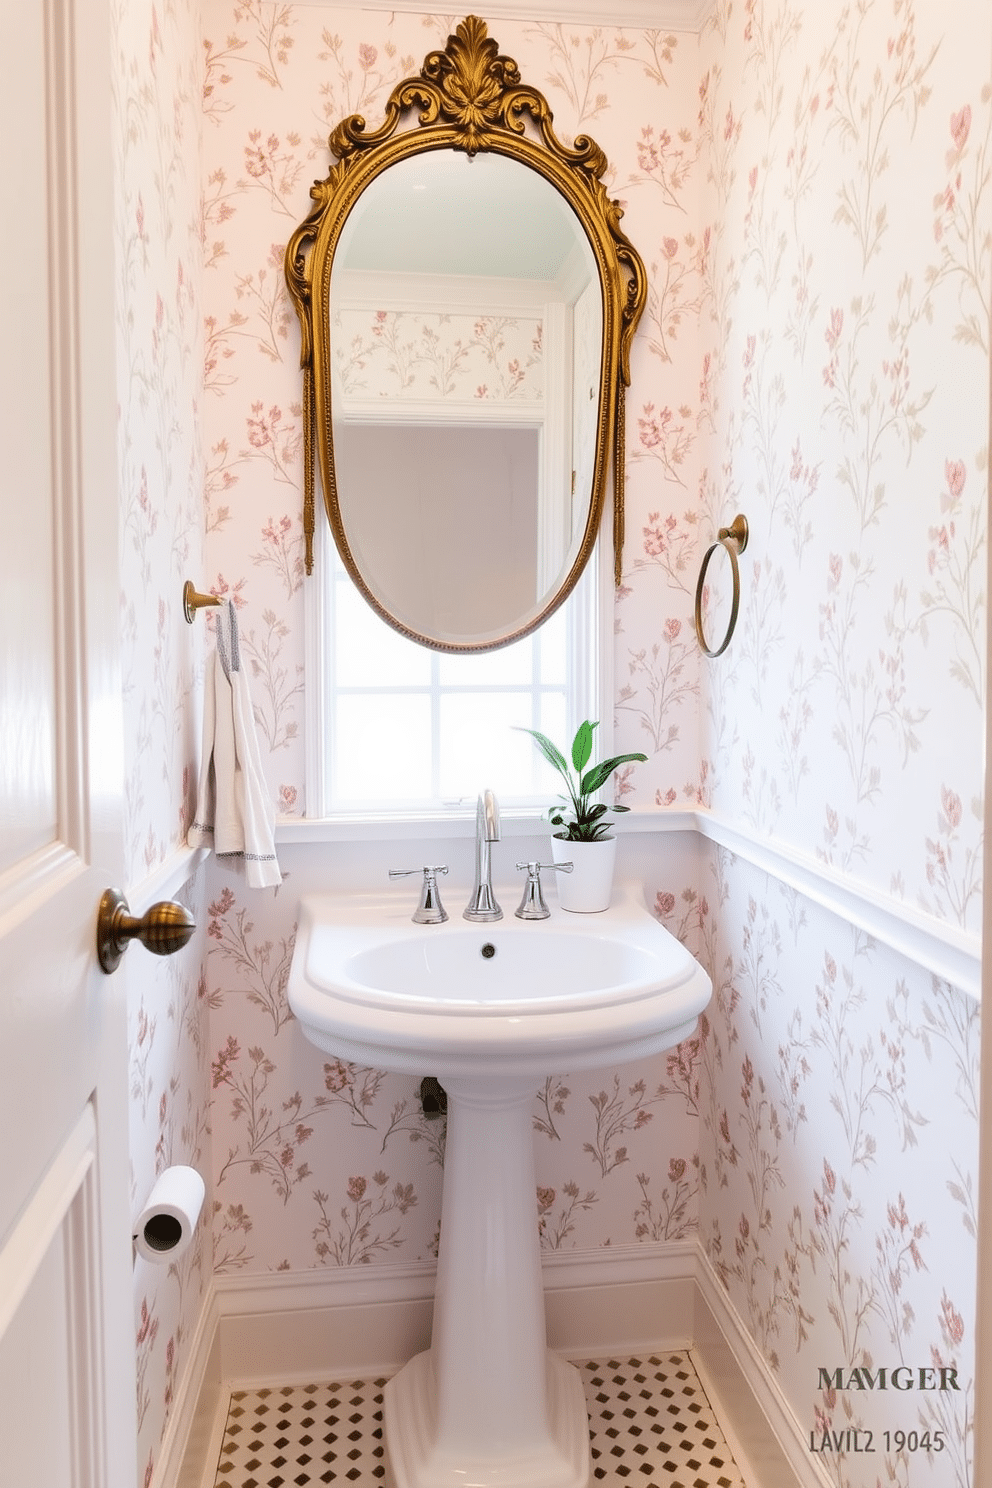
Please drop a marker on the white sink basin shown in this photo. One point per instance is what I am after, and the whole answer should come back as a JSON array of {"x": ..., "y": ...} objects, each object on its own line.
[
  {"x": 514, "y": 997},
  {"x": 490, "y": 1010}
]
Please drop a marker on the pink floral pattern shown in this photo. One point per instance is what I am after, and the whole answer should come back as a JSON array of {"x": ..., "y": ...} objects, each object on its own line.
[
  {"x": 159, "y": 310},
  {"x": 319, "y": 1162},
  {"x": 413, "y": 354},
  {"x": 169, "y": 1124},
  {"x": 830, "y": 1206},
  {"x": 844, "y": 317}
]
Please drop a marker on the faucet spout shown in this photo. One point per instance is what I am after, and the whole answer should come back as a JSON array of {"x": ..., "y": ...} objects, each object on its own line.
[
  {"x": 487, "y": 817},
  {"x": 482, "y": 905}
]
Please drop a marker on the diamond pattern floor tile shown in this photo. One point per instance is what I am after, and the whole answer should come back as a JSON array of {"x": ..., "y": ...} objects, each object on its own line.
[
  {"x": 650, "y": 1424},
  {"x": 304, "y": 1434}
]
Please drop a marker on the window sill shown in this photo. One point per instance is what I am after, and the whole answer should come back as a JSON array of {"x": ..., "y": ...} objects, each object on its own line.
[{"x": 455, "y": 824}]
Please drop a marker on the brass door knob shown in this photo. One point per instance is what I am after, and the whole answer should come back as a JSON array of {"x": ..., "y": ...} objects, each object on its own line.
[{"x": 163, "y": 929}]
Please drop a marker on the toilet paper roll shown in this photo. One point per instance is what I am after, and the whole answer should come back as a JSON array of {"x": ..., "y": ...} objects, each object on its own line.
[{"x": 165, "y": 1226}]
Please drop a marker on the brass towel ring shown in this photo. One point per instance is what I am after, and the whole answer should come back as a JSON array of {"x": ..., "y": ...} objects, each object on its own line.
[{"x": 734, "y": 539}]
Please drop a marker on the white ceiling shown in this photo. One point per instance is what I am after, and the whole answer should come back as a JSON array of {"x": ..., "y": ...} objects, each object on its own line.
[
  {"x": 669, "y": 15},
  {"x": 488, "y": 216}
]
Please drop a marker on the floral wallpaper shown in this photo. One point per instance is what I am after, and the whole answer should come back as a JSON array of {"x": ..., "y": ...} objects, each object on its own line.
[
  {"x": 159, "y": 362},
  {"x": 846, "y": 211},
  {"x": 837, "y": 1193},
  {"x": 160, "y": 374},
  {"x": 169, "y": 1124},
  {"x": 414, "y": 354},
  {"x": 810, "y": 187},
  {"x": 846, "y": 317}
]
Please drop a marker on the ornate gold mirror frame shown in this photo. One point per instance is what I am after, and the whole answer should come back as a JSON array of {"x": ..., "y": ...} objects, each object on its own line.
[{"x": 467, "y": 97}]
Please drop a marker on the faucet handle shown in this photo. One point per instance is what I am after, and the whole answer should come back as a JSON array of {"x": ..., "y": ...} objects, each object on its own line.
[
  {"x": 430, "y": 910},
  {"x": 532, "y": 905}
]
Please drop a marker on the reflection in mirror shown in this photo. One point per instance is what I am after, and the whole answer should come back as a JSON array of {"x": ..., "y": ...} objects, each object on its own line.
[
  {"x": 466, "y": 334},
  {"x": 445, "y": 523},
  {"x": 467, "y": 303}
]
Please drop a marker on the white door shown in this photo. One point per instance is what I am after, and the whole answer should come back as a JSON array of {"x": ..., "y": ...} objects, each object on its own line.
[{"x": 66, "y": 1345}]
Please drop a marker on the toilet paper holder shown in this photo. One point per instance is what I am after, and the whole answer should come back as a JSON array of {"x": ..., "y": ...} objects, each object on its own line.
[{"x": 165, "y": 1226}]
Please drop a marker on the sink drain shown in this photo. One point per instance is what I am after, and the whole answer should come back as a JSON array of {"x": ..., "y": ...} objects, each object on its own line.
[{"x": 489, "y": 950}]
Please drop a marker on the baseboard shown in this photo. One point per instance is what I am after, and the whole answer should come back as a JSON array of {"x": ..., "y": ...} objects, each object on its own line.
[
  {"x": 623, "y": 1301},
  {"x": 767, "y": 1442},
  {"x": 296, "y": 1326},
  {"x": 289, "y": 1328},
  {"x": 186, "y": 1442}
]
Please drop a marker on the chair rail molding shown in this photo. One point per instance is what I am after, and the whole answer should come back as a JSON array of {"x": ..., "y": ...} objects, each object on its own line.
[{"x": 948, "y": 952}]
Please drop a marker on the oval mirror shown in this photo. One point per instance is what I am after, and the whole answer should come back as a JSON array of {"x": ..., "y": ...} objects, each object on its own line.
[
  {"x": 466, "y": 343},
  {"x": 467, "y": 303}
]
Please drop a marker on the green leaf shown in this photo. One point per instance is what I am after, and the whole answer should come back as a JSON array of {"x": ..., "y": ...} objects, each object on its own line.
[
  {"x": 589, "y": 832},
  {"x": 582, "y": 745},
  {"x": 599, "y": 774},
  {"x": 551, "y": 754}
]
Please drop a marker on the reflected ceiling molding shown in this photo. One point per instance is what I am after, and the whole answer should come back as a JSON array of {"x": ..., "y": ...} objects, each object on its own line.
[{"x": 672, "y": 15}]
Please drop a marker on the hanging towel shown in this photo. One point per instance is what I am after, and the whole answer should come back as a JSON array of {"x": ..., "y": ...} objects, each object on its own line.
[{"x": 234, "y": 812}]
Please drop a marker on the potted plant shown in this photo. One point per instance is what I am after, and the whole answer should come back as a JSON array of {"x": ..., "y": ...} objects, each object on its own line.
[{"x": 584, "y": 838}]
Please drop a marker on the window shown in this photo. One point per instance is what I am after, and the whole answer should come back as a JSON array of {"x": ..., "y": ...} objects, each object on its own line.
[{"x": 397, "y": 728}]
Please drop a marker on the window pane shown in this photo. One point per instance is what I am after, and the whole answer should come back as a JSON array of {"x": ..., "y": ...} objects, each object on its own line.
[
  {"x": 547, "y": 783},
  {"x": 511, "y": 665},
  {"x": 412, "y": 729},
  {"x": 370, "y": 653},
  {"x": 479, "y": 746},
  {"x": 554, "y": 647},
  {"x": 382, "y": 750},
  {"x": 553, "y": 722}
]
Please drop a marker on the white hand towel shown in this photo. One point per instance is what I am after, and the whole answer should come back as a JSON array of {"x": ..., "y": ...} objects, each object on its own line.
[{"x": 234, "y": 812}]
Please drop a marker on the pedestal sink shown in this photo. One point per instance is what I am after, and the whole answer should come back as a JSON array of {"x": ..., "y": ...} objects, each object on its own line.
[{"x": 490, "y": 1010}]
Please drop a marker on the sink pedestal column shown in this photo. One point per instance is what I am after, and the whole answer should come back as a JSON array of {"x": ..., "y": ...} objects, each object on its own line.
[{"x": 488, "y": 1405}]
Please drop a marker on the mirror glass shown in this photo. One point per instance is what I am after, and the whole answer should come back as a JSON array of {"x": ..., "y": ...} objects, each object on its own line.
[{"x": 466, "y": 344}]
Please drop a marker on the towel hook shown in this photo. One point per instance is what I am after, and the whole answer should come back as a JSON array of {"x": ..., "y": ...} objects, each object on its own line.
[
  {"x": 734, "y": 539},
  {"x": 193, "y": 601}
]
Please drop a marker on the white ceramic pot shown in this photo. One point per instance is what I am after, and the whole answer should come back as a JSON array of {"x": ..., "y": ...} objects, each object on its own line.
[{"x": 589, "y": 886}]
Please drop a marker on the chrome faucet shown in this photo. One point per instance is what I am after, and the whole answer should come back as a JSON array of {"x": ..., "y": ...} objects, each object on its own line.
[{"x": 482, "y": 905}]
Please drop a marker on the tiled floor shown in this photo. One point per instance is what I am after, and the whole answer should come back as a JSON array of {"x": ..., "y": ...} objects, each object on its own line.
[{"x": 650, "y": 1425}]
